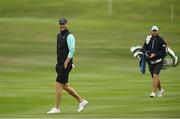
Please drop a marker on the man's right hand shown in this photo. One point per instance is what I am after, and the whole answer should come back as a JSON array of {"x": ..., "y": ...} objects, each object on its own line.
[{"x": 152, "y": 55}]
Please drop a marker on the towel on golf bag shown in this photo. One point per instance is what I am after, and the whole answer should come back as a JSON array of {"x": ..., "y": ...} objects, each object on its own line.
[{"x": 142, "y": 63}]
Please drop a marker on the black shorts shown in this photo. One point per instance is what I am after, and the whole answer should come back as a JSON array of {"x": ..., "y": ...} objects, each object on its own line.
[
  {"x": 62, "y": 73},
  {"x": 155, "y": 68}
]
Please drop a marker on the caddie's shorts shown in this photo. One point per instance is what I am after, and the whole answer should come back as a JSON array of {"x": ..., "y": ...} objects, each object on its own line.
[
  {"x": 62, "y": 73},
  {"x": 155, "y": 68}
]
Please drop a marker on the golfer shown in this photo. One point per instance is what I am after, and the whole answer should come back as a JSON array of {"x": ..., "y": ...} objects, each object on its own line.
[
  {"x": 65, "y": 53},
  {"x": 155, "y": 48}
]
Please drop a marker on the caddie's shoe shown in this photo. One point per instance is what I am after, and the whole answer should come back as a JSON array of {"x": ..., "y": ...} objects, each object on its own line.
[
  {"x": 160, "y": 93},
  {"x": 54, "y": 110},
  {"x": 152, "y": 95},
  {"x": 82, "y": 105}
]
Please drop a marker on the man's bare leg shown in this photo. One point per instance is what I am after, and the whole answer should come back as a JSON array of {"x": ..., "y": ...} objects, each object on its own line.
[
  {"x": 58, "y": 87},
  {"x": 156, "y": 83},
  {"x": 72, "y": 92},
  {"x": 159, "y": 85}
]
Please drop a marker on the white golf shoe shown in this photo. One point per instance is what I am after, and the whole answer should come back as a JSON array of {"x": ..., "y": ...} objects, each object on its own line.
[
  {"x": 160, "y": 93},
  {"x": 54, "y": 110},
  {"x": 152, "y": 95},
  {"x": 82, "y": 105}
]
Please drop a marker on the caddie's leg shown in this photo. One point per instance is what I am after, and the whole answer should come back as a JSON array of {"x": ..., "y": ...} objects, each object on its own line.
[
  {"x": 159, "y": 85},
  {"x": 156, "y": 82}
]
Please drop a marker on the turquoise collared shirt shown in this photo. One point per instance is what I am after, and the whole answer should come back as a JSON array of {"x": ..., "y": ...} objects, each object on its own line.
[{"x": 71, "y": 45}]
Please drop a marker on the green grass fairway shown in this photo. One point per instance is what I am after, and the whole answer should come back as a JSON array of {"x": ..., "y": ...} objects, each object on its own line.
[{"x": 105, "y": 72}]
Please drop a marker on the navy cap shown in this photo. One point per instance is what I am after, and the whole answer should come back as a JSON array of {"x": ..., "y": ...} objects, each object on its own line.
[{"x": 62, "y": 21}]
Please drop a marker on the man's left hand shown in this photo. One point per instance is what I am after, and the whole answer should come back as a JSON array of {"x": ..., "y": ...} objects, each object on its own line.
[{"x": 66, "y": 62}]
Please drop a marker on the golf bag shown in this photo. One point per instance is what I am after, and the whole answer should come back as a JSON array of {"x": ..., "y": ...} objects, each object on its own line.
[{"x": 171, "y": 60}]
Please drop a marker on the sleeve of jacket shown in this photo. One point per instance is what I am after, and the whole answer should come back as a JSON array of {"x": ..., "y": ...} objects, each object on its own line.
[
  {"x": 146, "y": 42},
  {"x": 144, "y": 48},
  {"x": 71, "y": 45},
  {"x": 162, "y": 52}
]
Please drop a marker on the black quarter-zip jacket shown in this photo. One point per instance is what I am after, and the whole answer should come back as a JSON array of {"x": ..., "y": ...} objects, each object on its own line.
[{"x": 156, "y": 45}]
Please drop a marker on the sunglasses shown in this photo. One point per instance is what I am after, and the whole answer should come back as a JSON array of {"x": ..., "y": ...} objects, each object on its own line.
[
  {"x": 61, "y": 24},
  {"x": 154, "y": 30}
]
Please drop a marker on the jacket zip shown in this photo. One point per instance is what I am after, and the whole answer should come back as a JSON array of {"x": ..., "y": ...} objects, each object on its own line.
[{"x": 153, "y": 44}]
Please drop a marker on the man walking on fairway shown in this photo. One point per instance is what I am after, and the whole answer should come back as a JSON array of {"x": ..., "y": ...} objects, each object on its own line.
[
  {"x": 65, "y": 53},
  {"x": 155, "y": 48}
]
